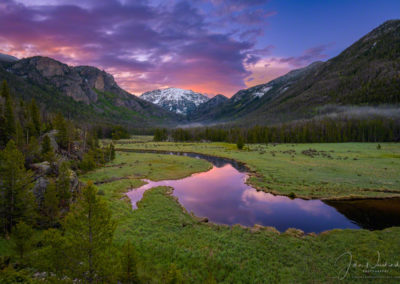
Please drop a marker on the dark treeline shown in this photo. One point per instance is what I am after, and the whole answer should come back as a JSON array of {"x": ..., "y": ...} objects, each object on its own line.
[
  {"x": 117, "y": 132},
  {"x": 377, "y": 129}
]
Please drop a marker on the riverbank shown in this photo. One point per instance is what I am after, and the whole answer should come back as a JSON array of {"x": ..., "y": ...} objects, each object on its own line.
[
  {"x": 328, "y": 171},
  {"x": 166, "y": 236}
]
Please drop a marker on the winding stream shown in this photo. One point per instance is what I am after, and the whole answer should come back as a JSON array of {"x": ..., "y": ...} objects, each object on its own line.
[{"x": 221, "y": 195}]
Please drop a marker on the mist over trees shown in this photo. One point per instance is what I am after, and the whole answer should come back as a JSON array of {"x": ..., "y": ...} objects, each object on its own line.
[{"x": 332, "y": 130}]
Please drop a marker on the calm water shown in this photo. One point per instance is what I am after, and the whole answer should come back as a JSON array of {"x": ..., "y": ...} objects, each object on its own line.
[{"x": 222, "y": 196}]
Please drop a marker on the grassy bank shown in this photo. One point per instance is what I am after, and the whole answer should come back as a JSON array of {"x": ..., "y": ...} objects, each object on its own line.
[
  {"x": 149, "y": 166},
  {"x": 330, "y": 170},
  {"x": 169, "y": 239}
]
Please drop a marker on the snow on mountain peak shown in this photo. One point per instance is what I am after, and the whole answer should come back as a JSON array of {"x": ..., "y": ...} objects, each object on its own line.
[{"x": 176, "y": 100}]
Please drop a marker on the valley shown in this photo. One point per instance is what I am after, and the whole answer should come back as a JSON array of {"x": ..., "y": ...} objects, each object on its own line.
[{"x": 141, "y": 170}]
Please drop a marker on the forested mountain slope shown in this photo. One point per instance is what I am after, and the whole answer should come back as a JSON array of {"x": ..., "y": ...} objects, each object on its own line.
[
  {"x": 365, "y": 74},
  {"x": 249, "y": 100},
  {"x": 202, "y": 111}
]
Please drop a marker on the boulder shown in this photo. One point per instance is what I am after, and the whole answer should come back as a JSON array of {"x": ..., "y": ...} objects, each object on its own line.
[
  {"x": 39, "y": 188},
  {"x": 42, "y": 168}
]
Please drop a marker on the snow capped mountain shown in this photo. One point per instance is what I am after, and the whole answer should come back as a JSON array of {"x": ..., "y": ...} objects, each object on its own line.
[{"x": 176, "y": 100}]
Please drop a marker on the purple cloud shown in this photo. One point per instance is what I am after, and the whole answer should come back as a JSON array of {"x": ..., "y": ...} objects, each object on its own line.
[
  {"x": 308, "y": 56},
  {"x": 144, "y": 44}
]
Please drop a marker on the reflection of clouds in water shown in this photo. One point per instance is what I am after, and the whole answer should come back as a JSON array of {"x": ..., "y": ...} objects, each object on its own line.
[
  {"x": 251, "y": 195},
  {"x": 260, "y": 199},
  {"x": 222, "y": 195},
  {"x": 314, "y": 207}
]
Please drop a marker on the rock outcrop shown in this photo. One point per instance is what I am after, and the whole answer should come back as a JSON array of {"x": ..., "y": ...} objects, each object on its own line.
[
  {"x": 43, "y": 168},
  {"x": 44, "y": 70},
  {"x": 39, "y": 189}
]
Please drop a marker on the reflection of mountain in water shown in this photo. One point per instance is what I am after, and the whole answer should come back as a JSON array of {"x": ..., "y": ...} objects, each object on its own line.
[{"x": 372, "y": 214}]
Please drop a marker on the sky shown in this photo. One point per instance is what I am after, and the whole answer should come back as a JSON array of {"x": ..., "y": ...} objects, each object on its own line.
[{"x": 208, "y": 46}]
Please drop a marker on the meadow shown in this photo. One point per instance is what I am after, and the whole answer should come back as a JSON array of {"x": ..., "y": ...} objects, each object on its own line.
[
  {"x": 324, "y": 171},
  {"x": 170, "y": 240}
]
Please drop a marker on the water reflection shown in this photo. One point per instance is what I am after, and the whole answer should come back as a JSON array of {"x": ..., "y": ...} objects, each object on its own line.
[{"x": 222, "y": 196}]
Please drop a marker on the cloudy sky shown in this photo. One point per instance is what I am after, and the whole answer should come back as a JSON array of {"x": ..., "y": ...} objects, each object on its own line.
[{"x": 209, "y": 46}]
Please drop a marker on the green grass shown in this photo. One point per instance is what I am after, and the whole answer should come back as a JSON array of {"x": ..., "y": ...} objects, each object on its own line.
[
  {"x": 340, "y": 170},
  {"x": 151, "y": 166},
  {"x": 164, "y": 234}
]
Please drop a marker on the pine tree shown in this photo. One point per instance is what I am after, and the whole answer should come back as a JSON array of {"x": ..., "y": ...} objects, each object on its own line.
[
  {"x": 3, "y": 134},
  {"x": 53, "y": 256},
  {"x": 47, "y": 149},
  {"x": 240, "y": 142},
  {"x": 88, "y": 162},
  {"x": 129, "y": 264},
  {"x": 19, "y": 135},
  {"x": 17, "y": 201},
  {"x": 89, "y": 232},
  {"x": 62, "y": 136},
  {"x": 32, "y": 152},
  {"x": 22, "y": 237},
  {"x": 49, "y": 210},
  {"x": 5, "y": 92},
  {"x": 112, "y": 152},
  {"x": 63, "y": 185},
  {"x": 35, "y": 117},
  {"x": 9, "y": 127}
]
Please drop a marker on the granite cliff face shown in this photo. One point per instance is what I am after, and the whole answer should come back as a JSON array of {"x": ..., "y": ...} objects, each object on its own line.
[
  {"x": 79, "y": 82},
  {"x": 44, "y": 70},
  {"x": 102, "y": 81}
]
